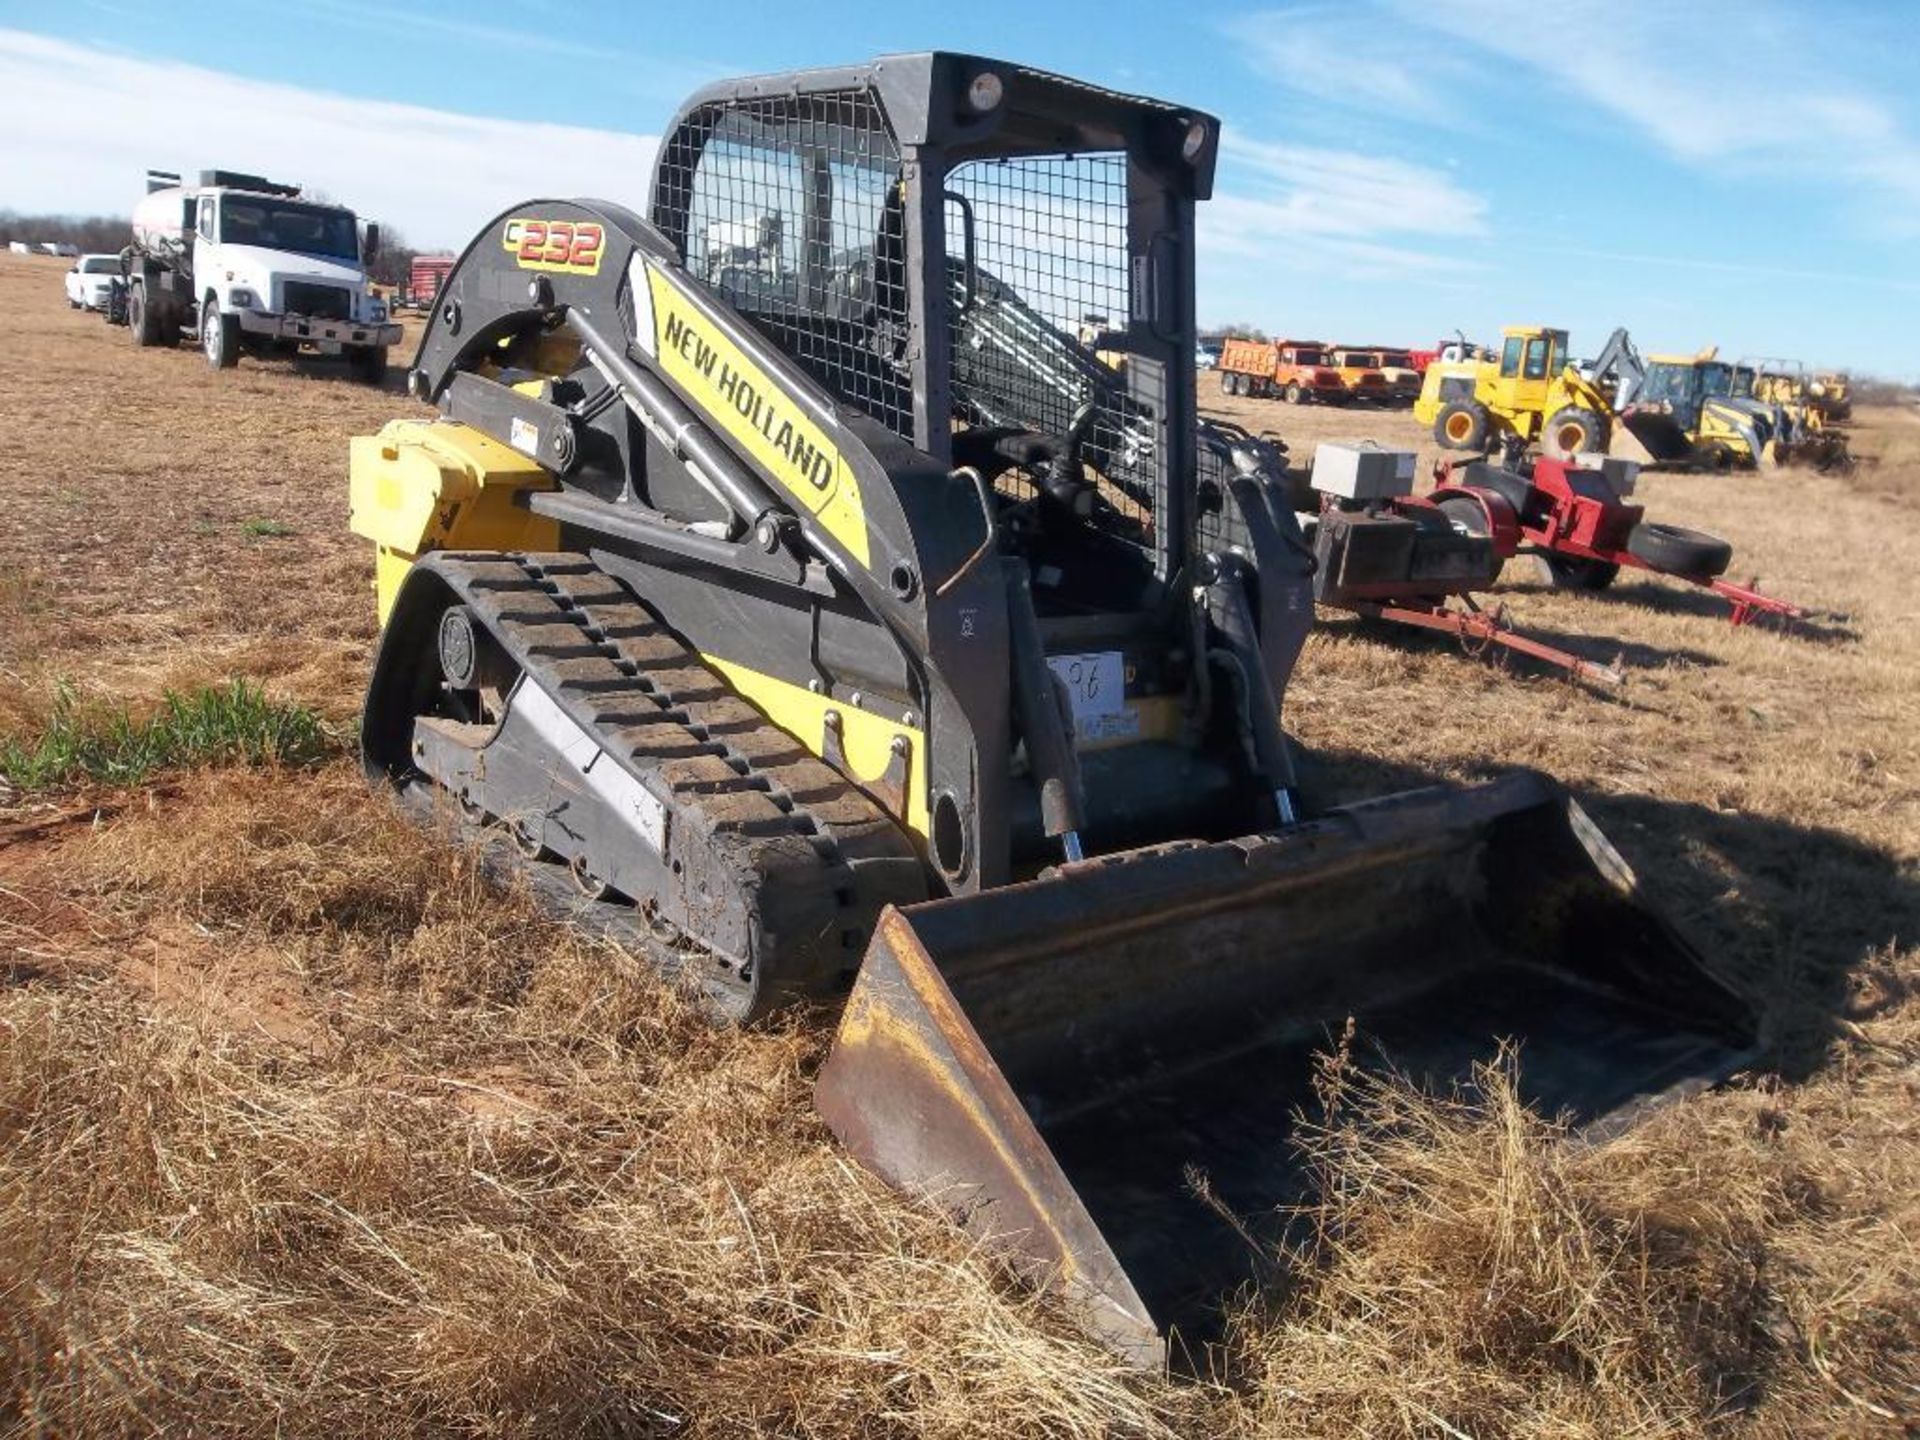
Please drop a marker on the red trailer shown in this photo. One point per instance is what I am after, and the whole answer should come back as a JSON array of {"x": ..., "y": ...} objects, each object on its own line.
[
  {"x": 1384, "y": 553},
  {"x": 1579, "y": 520},
  {"x": 424, "y": 279}
]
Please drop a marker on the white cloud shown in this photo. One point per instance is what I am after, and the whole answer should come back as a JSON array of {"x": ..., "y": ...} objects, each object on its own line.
[
  {"x": 81, "y": 127},
  {"x": 1360, "y": 73},
  {"x": 1748, "y": 90},
  {"x": 1344, "y": 192},
  {"x": 1336, "y": 211}
]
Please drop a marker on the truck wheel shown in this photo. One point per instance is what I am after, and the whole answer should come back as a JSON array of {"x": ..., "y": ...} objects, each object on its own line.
[
  {"x": 1573, "y": 431},
  {"x": 1576, "y": 572},
  {"x": 1678, "y": 551},
  {"x": 369, "y": 363},
  {"x": 1293, "y": 394},
  {"x": 1461, "y": 425},
  {"x": 219, "y": 336},
  {"x": 1226, "y": 382},
  {"x": 142, "y": 323}
]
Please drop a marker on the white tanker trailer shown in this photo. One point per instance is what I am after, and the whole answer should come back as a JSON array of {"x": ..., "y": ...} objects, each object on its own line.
[{"x": 242, "y": 264}]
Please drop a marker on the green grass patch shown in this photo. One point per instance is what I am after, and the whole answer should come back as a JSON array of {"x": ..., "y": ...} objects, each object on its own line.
[
  {"x": 265, "y": 529},
  {"x": 234, "y": 723}
]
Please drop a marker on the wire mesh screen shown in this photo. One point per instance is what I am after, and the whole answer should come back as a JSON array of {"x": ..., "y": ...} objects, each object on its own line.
[
  {"x": 1038, "y": 269},
  {"x": 1217, "y": 526},
  {"x": 793, "y": 215}
]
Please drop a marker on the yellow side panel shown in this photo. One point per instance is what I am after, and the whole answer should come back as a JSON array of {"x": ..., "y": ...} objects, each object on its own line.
[
  {"x": 439, "y": 485},
  {"x": 867, "y": 738},
  {"x": 1426, "y": 409},
  {"x": 734, "y": 392}
]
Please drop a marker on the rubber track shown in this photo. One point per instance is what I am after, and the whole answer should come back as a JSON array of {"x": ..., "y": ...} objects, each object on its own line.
[{"x": 658, "y": 710}]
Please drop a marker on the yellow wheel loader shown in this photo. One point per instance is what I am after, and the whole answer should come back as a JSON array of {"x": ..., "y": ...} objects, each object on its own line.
[
  {"x": 793, "y": 594},
  {"x": 1530, "y": 393},
  {"x": 1831, "y": 395},
  {"x": 1808, "y": 410}
]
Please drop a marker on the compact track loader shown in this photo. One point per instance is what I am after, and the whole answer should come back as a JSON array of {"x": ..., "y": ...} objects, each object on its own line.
[{"x": 810, "y": 607}]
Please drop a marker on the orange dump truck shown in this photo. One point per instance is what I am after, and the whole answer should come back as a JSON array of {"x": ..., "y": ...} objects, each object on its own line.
[
  {"x": 1359, "y": 371},
  {"x": 1400, "y": 369},
  {"x": 1295, "y": 370}
]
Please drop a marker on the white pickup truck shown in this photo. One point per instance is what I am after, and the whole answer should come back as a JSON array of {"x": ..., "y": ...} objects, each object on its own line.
[
  {"x": 243, "y": 264},
  {"x": 90, "y": 281}
]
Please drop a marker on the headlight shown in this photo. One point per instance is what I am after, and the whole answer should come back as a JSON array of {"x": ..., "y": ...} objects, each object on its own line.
[
  {"x": 1194, "y": 141},
  {"x": 376, "y": 310},
  {"x": 242, "y": 298}
]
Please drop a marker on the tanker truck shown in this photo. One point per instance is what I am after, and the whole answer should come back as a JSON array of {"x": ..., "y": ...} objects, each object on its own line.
[{"x": 245, "y": 265}]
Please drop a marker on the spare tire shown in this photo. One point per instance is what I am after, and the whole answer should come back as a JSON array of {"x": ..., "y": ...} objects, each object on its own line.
[{"x": 1678, "y": 551}]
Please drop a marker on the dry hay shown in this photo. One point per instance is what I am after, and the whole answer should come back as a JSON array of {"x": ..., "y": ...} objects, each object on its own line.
[
  {"x": 305, "y": 1127},
  {"x": 508, "y": 1186}
]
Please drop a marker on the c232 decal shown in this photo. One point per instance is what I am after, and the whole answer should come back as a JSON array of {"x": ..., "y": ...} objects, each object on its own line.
[{"x": 573, "y": 246}]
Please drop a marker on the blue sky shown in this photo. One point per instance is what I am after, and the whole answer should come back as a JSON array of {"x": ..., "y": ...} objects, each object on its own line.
[{"x": 1739, "y": 172}]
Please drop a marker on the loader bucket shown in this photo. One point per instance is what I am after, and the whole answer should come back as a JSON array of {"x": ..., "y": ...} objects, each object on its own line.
[
  {"x": 1068, "y": 1062},
  {"x": 1658, "y": 439}
]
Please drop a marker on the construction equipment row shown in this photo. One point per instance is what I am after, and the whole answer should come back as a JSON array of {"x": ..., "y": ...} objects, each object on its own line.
[{"x": 1693, "y": 410}]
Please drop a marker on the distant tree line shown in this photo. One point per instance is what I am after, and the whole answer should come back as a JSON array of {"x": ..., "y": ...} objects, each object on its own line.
[
  {"x": 1871, "y": 391},
  {"x": 394, "y": 262},
  {"x": 109, "y": 234},
  {"x": 94, "y": 234}
]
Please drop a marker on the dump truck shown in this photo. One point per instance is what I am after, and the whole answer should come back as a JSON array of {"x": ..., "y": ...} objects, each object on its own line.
[
  {"x": 1400, "y": 378},
  {"x": 242, "y": 264},
  {"x": 1296, "y": 371},
  {"x": 830, "y": 627},
  {"x": 1360, "y": 375}
]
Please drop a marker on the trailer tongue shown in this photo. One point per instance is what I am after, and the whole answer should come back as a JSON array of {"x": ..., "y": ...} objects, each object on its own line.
[{"x": 1092, "y": 1067}]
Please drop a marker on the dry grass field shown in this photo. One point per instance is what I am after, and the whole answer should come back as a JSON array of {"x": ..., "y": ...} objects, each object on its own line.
[{"x": 307, "y": 1129}]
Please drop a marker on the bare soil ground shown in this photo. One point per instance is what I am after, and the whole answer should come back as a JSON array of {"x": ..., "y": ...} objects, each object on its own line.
[{"x": 305, "y": 1128}]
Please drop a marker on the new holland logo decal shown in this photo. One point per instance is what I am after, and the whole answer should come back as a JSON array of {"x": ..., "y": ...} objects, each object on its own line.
[
  {"x": 573, "y": 246},
  {"x": 751, "y": 406}
]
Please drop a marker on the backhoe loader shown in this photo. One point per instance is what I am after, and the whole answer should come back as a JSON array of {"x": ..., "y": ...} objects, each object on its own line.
[
  {"x": 789, "y": 589},
  {"x": 1735, "y": 416}
]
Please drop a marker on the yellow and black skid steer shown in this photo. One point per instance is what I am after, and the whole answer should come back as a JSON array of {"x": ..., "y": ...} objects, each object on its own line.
[{"x": 791, "y": 582}]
